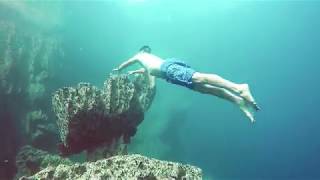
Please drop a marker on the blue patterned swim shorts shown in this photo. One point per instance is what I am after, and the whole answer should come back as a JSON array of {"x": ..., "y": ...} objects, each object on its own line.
[{"x": 177, "y": 72}]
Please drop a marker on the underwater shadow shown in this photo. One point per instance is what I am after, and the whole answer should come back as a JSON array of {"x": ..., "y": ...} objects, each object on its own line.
[{"x": 171, "y": 136}]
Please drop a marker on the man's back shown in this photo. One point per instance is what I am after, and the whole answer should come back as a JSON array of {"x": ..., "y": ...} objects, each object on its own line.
[{"x": 151, "y": 62}]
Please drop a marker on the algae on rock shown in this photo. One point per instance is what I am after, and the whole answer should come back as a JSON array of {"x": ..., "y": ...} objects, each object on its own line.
[{"x": 121, "y": 167}]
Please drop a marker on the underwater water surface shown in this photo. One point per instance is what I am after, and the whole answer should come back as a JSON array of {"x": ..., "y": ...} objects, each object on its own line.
[{"x": 271, "y": 45}]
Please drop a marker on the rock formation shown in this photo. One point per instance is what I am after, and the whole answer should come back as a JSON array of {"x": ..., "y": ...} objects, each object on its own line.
[
  {"x": 40, "y": 132},
  {"x": 25, "y": 61},
  {"x": 89, "y": 118},
  {"x": 121, "y": 167},
  {"x": 31, "y": 160},
  {"x": 101, "y": 121},
  {"x": 26, "y": 67}
]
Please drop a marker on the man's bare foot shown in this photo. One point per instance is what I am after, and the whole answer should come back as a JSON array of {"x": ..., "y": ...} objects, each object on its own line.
[
  {"x": 245, "y": 107},
  {"x": 246, "y": 94}
]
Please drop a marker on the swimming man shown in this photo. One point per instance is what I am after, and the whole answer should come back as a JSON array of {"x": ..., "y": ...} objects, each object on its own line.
[{"x": 177, "y": 72}]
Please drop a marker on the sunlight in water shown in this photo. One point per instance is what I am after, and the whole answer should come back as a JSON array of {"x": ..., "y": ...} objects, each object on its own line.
[{"x": 136, "y": 1}]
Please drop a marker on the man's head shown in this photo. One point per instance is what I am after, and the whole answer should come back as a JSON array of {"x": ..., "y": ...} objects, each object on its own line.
[{"x": 145, "y": 49}]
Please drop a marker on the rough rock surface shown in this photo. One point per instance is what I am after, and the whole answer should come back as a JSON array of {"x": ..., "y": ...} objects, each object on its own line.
[
  {"x": 31, "y": 160},
  {"x": 88, "y": 117},
  {"x": 121, "y": 167}
]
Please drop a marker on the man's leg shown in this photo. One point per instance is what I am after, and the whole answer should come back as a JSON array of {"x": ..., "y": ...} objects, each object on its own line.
[
  {"x": 217, "y": 91},
  {"x": 227, "y": 95},
  {"x": 215, "y": 80}
]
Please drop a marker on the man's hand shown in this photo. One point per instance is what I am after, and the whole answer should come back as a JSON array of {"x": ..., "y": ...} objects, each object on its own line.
[
  {"x": 131, "y": 72},
  {"x": 116, "y": 70},
  {"x": 125, "y": 64},
  {"x": 139, "y": 71}
]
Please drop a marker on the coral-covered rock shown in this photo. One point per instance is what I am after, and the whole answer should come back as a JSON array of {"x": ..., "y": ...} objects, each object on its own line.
[
  {"x": 117, "y": 94},
  {"x": 89, "y": 117},
  {"x": 31, "y": 160},
  {"x": 121, "y": 167}
]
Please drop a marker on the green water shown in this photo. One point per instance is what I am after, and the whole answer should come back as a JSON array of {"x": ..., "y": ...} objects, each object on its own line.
[{"x": 271, "y": 45}]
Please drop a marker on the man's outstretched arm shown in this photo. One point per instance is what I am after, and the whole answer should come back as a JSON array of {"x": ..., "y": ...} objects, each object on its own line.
[
  {"x": 138, "y": 71},
  {"x": 126, "y": 63}
]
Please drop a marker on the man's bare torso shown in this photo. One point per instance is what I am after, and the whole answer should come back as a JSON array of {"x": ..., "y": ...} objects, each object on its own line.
[{"x": 151, "y": 62}]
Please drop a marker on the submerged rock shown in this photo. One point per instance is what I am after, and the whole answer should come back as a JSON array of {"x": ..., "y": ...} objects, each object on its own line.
[
  {"x": 26, "y": 62},
  {"x": 28, "y": 57},
  {"x": 39, "y": 131},
  {"x": 88, "y": 117},
  {"x": 31, "y": 160},
  {"x": 121, "y": 167}
]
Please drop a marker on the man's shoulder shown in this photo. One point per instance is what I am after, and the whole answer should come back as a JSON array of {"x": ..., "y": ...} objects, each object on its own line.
[
  {"x": 148, "y": 58},
  {"x": 141, "y": 55}
]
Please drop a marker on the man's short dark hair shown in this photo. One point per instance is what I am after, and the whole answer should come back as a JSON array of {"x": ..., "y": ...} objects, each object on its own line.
[{"x": 145, "y": 49}]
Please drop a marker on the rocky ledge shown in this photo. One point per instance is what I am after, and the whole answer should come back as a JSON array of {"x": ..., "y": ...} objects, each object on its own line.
[{"x": 120, "y": 167}]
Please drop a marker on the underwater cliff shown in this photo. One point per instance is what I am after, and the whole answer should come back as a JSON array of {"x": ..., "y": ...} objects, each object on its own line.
[{"x": 26, "y": 70}]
